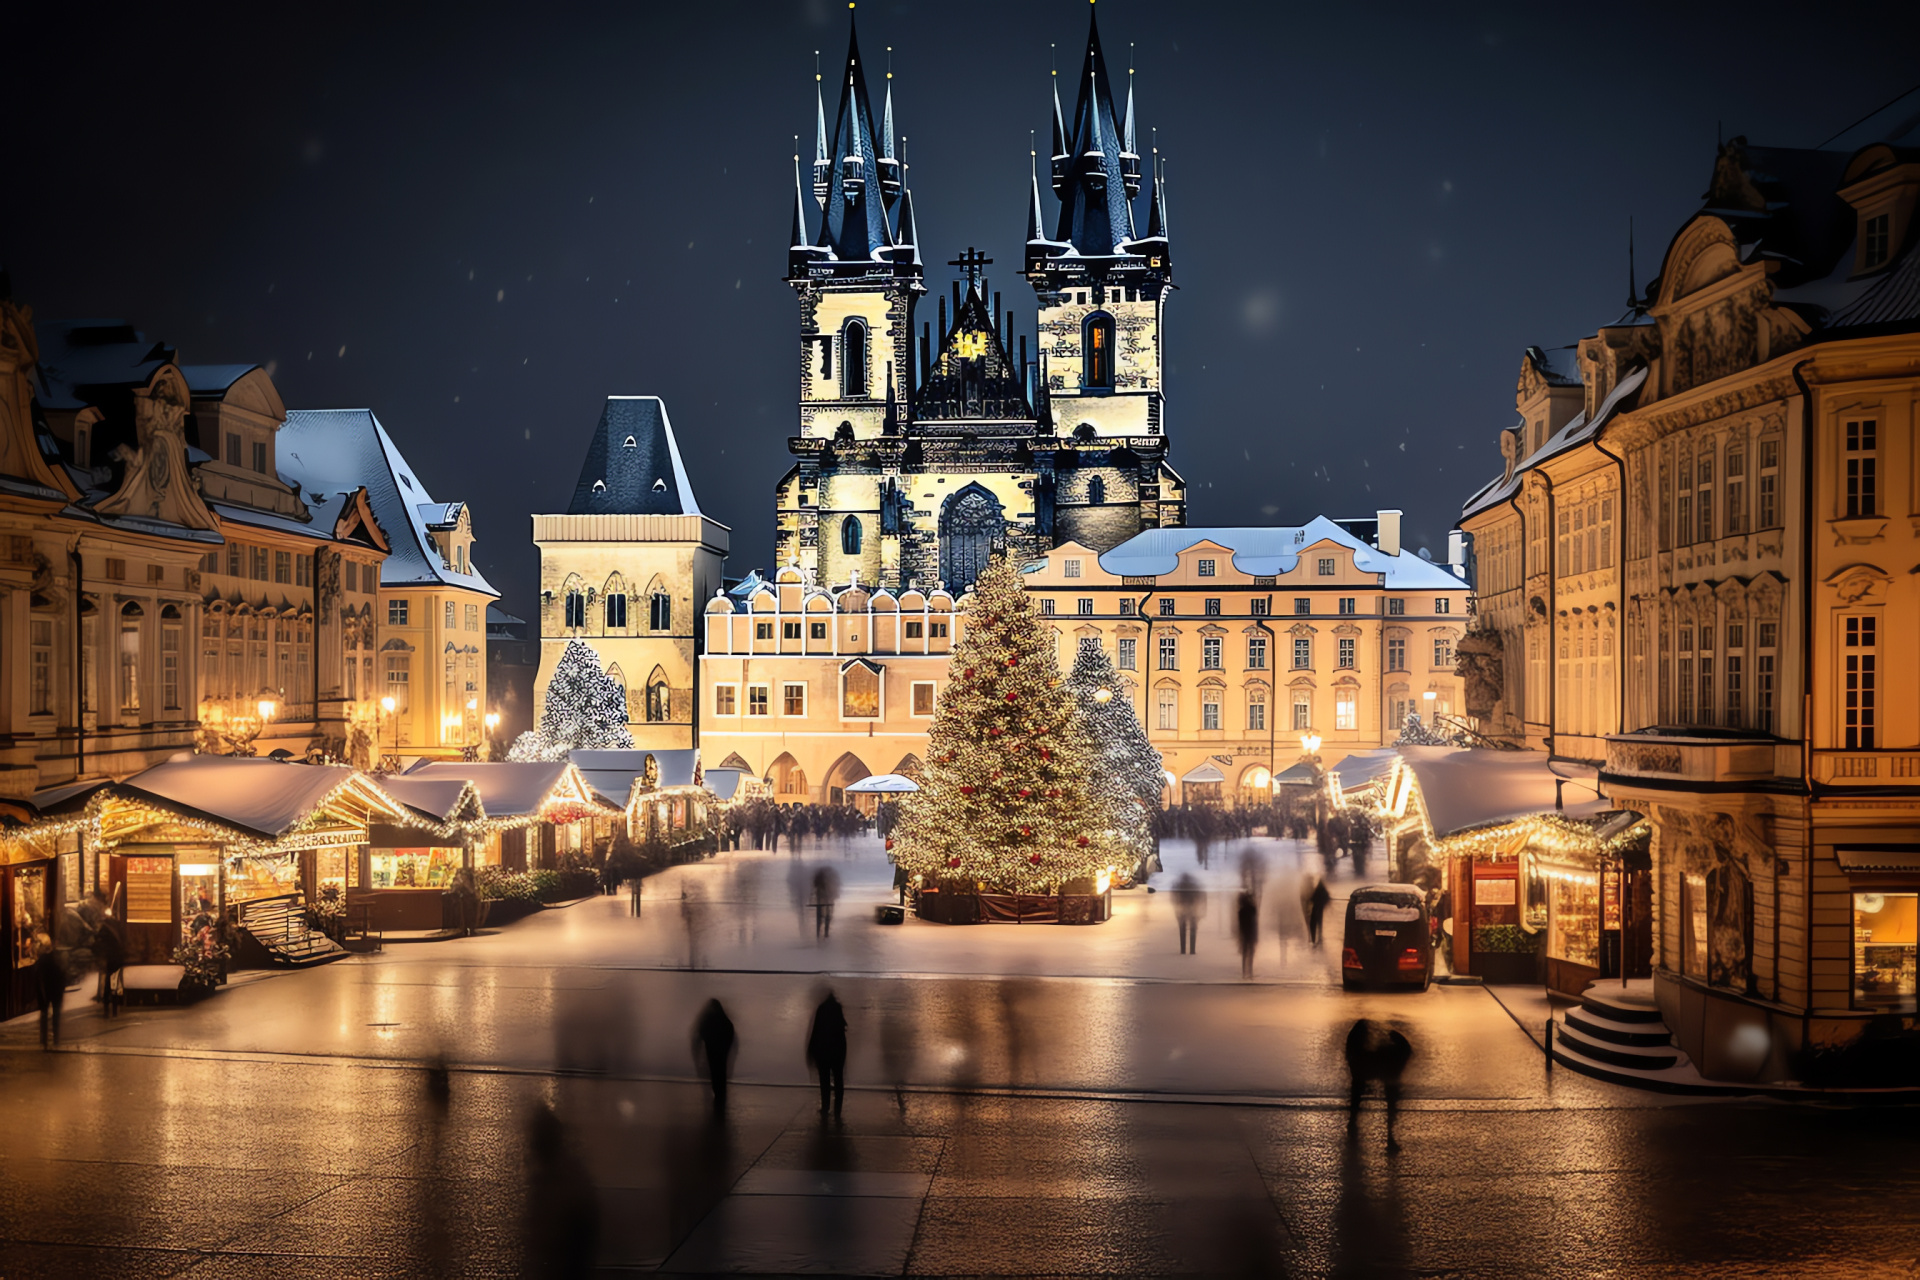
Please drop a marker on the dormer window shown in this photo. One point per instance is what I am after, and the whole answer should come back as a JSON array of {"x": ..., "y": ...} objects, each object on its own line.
[
  {"x": 1875, "y": 235},
  {"x": 630, "y": 443},
  {"x": 599, "y": 486},
  {"x": 659, "y": 484}
]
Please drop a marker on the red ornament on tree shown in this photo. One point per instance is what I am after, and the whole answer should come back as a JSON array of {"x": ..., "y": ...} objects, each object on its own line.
[
  {"x": 953, "y": 862},
  {"x": 966, "y": 791},
  {"x": 1082, "y": 842},
  {"x": 994, "y": 732},
  {"x": 1013, "y": 697},
  {"x": 1045, "y": 754},
  {"x": 1024, "y": 793},
  {"x": 1035, "y": 859},
  {"x": 889, "y": 844},
  {"x": 1013, "y": 662},
  {"x": 968, "y": 673},
  {"x": 1026, "y": 831},
  {"x": 1053, "y": 792}
]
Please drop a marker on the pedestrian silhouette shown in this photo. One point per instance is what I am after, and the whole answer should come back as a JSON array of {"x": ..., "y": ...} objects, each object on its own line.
[
  {"x": 563, "y": 1217},
  {"x": 1246, "y": 925},
  {"x": 827, "y": 1051},
  {"x": 111, "y": 956},
  {"x": 49, "y": 989},
  {"x": 1189, "y": 905},
  {"x": 713, "y": 1041},
  {"x": 1372, "y": 1056},
  {"x": 439, "y": 1084},
  {"x": 1253, "y": 873},
  {"x": 1317, "y": 900},
  {"x": 826, "y": 891}
]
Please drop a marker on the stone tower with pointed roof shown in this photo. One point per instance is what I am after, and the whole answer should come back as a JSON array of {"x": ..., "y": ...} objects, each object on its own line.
[
  {"x": 921, "y": 452},
  {"x": 627, "y": 567}
]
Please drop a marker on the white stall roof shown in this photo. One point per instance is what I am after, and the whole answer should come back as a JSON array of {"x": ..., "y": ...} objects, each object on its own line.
[{"x": 1467, "y": 787}]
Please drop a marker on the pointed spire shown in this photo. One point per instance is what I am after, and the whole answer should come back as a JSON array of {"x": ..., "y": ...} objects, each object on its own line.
[
  {"x": 821, "y": 160},
  {"x": 799, "y": 238},
  {"x": 1034, "y": 222},
  {"x": 1156, "y": 217},
  {"x": 1126, "y": 134},
  {"x": 909, "y": 233},
  {"x": 886, "y": 113}
]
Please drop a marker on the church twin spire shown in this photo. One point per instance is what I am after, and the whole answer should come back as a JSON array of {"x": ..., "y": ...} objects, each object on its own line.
[
  {"x": 1096, "y": 170},
  {"x": 864, "y": 212}
]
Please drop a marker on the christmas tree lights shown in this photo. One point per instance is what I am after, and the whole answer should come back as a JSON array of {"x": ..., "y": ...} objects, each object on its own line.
[
  {"x": 585, "y": 709},
  {"x": 1009, "y": 800},
  {"x": 1128, "y": 771}
]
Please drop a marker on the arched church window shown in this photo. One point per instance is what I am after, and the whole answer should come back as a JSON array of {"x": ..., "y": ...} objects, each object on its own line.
[
  {"x": 850, "y": 535},
  {"x": 1096, "y": 490},
  {"x": 617, "y": 611},
  {"x": 853, "y": 360},
  {"x": 576, "y": 609},
  {"x": 1097, "y": 351},
  {"x": 972, "y": 527},
  {"x": 660, "y": 612},
  {"x": 658, "y": 702}
]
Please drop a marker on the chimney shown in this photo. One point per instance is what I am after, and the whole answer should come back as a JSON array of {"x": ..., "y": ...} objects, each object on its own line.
[
  {"x": 1387, "y": 539},
  {"x": 1457, "y": 553}
]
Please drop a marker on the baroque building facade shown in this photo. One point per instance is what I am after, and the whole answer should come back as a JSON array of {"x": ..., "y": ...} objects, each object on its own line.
[
  {"x": 1692, "y": 576},
  {"x": 627, "y": 567},
  {"x": 921, "y": 453}
]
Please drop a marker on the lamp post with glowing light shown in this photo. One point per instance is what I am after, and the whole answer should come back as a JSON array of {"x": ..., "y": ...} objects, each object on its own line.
[
  {"x": 493, "y": 724},
  {"x": 1310, "y": 744}
]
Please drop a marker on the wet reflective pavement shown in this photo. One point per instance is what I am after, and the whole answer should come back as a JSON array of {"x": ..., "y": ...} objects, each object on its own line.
[{"x": 1149, "y": 1114}]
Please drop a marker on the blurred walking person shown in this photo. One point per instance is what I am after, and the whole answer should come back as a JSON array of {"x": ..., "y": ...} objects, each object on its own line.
[
  {"x": 1189, "y": 905},
  {"x": 1246, "y": 929},
  {"x": 826, "y": 891},
  {"x": 1374, "y": 1056},
  {"x": 49, "y": 989},
  {"x": 1314, "y": 902},
  {"x": 563, "y": 1216},
  {"x": 110, "y": 954},
  {"x": 827, "y": 1051},
  {"x": 713, "y": 1042}
]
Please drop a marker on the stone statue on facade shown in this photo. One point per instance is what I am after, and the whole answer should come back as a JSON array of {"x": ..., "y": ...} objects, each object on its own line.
[{"x": 1480, "y": 661}]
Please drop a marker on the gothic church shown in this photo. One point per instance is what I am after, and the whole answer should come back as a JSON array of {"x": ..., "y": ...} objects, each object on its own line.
[{"x": 921, "y": 453}]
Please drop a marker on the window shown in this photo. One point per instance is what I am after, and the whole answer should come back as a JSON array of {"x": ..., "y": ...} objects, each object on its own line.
[
  {"x": 82, "y": 454},
  {"x": 1256, "y": 653},
  {"x": 1441, "y": 604},
  {"x": 1126, "y": 608},
  {"x": 236, "y": 560},
  {"x": 399, "y": 678},
  {"x": 659, "y": 703},
  {"x": 170, "y": 668},
  {"x": 1096, "y": 491},
  {"x": 1302, "y": 712},
  {"x": 1072, "y": 568},
  {"x": 923, "y": 691},
  {"x": 1046, "y": 608},
  {"x": 1302, "y": 606},
  {"x": 1166, "y": 706},
  {"x": 260, "y": 456},
  {"x": 258, "y": 566},
  {"x": 1213, "y": 606},
  {"x": 1260, "y": 607},
  {"x": 1703, "y": 506},
  {"x": 576, "y": 610},
  {"x": 763, "y": 631},
  {"x": 1210, "y": 653},
  {"x": 793, "y": 699},
  {"x": 352, "y": 575},
  {"x": 1443, "y": 651},
  {"x": 660, "y": 612},
  {"x": 1767, "y": 634},
  {"x": 1683, "y": 503},
  {"x": 860, "y": 693},
  {"x": 1396, "y": 653},
  {"x": 1346, "y": 709},
  {"x": 1166, "y": 606},
  {"x": 1085, "y": 604},
  {"x": 616, "y": 611},
  {"x": 789, "y": 631},
  {"x": 853, "y": 360},
  {"x": 1396, "y": 608},
  {"x": 818, "y": 630},
  {"x": 1327, "y": 567},
  {"x": 1734, "y": 664},
  {"x": 1097, "y": 349},
  {"x": 1768, "y": 516},
  {"x": 1684, "y": 678},
  {"x": 1862, "y": 463},
  {"x": 850, "y": 536},
  {"x": 1883, "y": 949},
  {"x": 1348, "y": 605},
  {"x": 1705, "y": 659},
  {"x": 1206, "y": 568},
  {"x": 1169, "y": 653},
  {"x": 452, "y": 615},
  {"x": 1873, "y": 247},
  {"x": 233, "y": 448},
  {"x": 576, "y": 604},
  {"x": 41, "y": 643},
  {"x": 1126, "y": 647},
  {"x": 1693, "y": 923},
  {"x": 473, "y": 617},
  {"x": 757, "y": 700},
  {"x": 1736, "y": 511},
  {"x": 283, "y": 566},
  {"x": 1302, "y": 653},
  {"x": 1210, "y": 708},
  {"x": 1861, "y": 691},
  {"x": 726, "y": 699},
  {"x": 1348, "y": 645},
  {"x": 1257, "y": 710}
]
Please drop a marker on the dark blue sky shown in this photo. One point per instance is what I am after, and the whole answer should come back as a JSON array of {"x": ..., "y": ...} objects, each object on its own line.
[{"x": 482, "y": 226}]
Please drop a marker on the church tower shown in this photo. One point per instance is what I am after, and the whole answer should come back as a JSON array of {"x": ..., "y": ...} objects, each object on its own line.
[{"x": 1101, "y": 284}]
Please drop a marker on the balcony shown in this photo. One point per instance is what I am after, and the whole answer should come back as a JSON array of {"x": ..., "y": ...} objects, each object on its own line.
[
  {"x": 1694, "y": 756},
  {"x": 1866, "y": 768}
]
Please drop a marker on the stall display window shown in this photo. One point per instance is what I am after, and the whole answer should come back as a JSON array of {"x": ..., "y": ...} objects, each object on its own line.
[
  {"x": 1573, "y": 918},
  {"x": 1883, "y": 949},
  {"x": 1533, "y": 902},
  {"x": 29, "y": 913},
  {"x": 414, "y": 868},
  {"x": 199, "y": 898},
  {"x": 337, "y": 867},
  {"x": 267, "y": 877},
  {"x": 149, "y": 888}
]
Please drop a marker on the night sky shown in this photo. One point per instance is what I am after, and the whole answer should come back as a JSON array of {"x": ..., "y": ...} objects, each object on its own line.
[{"x": 482, "y": 226}]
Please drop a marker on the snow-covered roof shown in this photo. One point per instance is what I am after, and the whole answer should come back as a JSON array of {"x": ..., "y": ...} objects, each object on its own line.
[
  {"x": 265, "y": 798},
  {"x": 77, "y": 356},
  {"x": 1273, "y": 549},
  {"x": 231, "y": 514},
  {"x": 612, "y": 773},
  {"x": 438, "y": 798},
  {"x": 1578, "y": 430},
  {"x": 212, "y": 381},
  {"x": 1359, "y": 768},
  {"x": 633, "y": 464},
  {"x": 333, "y": 451},
  {"x": 1467, "y": 787},
  {"x": 1205, "y": 771},
  {"x": 506, "y": 788}
]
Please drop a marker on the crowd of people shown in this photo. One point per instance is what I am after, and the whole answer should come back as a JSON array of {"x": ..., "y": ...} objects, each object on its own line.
[
  {"x": 1344, "y": 832},
  {"x": 760, "y": 824}
]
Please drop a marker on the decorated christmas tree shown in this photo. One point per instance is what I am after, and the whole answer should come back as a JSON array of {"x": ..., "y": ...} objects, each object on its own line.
[
  {"x": 1128, "y": 771},
  {"x": 585, "y": 710},
  {"x": 1009, "y": 799}
]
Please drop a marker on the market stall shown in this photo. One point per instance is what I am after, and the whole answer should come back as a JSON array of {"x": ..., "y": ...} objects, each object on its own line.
[
  {"x": 664, "y": 795},
  {"x": 525, "y": 815}
]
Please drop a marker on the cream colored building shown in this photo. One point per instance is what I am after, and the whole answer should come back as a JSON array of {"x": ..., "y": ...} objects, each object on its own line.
[
  {"x": 628, "y": 567},
  {"x": 1234, "y": 643},
  {"x": 814, "y": 688},
  {"x": 1746, "y": 438}
]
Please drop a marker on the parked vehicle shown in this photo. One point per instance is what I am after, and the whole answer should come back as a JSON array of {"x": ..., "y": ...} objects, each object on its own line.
[{"x": 1388, "y": 940}]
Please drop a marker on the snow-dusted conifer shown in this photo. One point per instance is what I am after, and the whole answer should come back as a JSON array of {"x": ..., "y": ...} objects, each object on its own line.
[
  {"x": 585, "y": 710},
  {"x": 1128, "y": 771}
]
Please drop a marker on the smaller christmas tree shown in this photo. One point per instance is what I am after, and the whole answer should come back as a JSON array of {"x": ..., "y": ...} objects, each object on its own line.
[
  {"x": 1128, "y": 770},
  {"x": 585, "y": 710}
]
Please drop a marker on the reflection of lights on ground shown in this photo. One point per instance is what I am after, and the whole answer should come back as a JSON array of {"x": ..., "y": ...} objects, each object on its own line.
[
  {"x": 1176, "y": 1053},
  {"x": 625, "y": 1108},
  {"x": 955, "y": 1053}
]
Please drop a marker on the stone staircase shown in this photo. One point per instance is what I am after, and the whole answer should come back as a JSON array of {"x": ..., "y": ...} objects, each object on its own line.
[
  {"x": 279, "y": 926},
  {"x": 1616, "y": 1033}
]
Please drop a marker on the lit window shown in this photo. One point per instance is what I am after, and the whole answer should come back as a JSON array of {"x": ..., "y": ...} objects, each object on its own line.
[
  {"x": 860, "y": 693},
  {"x": 923, "y": 691},
  {"x": 1302, "y": 711},
  {"x": 793, "y": 699},
  {"x": 399, "y": 678},
  {"x": 1345, "y": 710},
  {"x": 1257, "y": 710},
  {"x": 726, "y": 700},
  {"x": 1098, "y": 347},
  {"x": 1167, "y": 709},
  {"x": 1169, "y": 653},
  {"x": 757, "y": 700},
  {"x": 1883, "y": 950},
  {"x": 1127, "y": 647}
]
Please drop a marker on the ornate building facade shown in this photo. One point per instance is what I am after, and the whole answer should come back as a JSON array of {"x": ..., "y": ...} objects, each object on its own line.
[
  {"x": 1692, "y": 574},
  {"x": 919, "y": 454}
]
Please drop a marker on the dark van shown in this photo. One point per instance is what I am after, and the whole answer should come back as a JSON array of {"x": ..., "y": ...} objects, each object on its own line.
[{"x": 1388, "y": 940}]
